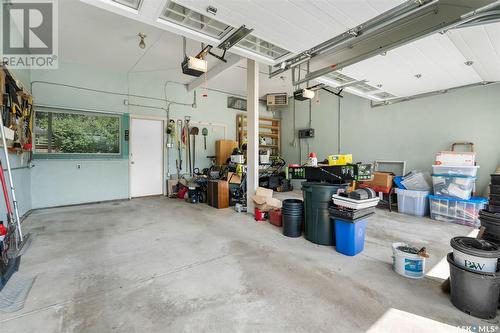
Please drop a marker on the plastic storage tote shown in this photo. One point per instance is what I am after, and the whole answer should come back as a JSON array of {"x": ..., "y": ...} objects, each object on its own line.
[
  {"x": 418, "y": 181},
  {"x": 463, "y": 170},
  {"x": 458, "y": 211},
  {"x": 413, "y": 202},
  {"x": 350, "y": 236},
  {"x": 453, "y": 186}
]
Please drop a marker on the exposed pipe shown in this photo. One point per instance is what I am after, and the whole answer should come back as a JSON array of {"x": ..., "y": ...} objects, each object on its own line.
[
  {"x": 105, "y": 92},
  {"x": 338, "y": 126},
  {"x": 432, "y": 93}
]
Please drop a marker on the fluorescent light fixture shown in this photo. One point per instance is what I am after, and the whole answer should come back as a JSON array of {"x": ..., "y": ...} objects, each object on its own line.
[
  {"x": 134, "y": 4},
  {"x": 262, "y": 47},
  {"x": 235, "y": 37},
  {"x": 190, "y": 19}
]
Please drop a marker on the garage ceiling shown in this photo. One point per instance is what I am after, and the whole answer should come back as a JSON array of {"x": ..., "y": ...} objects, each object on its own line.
[{"x": 433, "y": 63}]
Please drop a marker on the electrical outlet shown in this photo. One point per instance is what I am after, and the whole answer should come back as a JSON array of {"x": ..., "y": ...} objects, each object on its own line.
[{"x": 78, "y": 165}]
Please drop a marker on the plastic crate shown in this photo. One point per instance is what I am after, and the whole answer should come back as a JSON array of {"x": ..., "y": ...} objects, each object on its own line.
[
  {"x": 453, "y": 186},
  {"x": 413, "y": 202},
  {"x": 454, "y": 210},
  {"x": 462, "y": 170}
]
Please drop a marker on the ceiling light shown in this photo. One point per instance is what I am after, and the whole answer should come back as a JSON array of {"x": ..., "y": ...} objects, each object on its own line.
[
  {"x": 379, "y": 85},
  {"x": 142, "y": 43},
  {"x": 235, "y": 37},
  {"x": 469, "y": 63},
  {"x": 418, "y": 76},
  {"x": 187, "y": 18},
  {"x": 134, "y": 4}
]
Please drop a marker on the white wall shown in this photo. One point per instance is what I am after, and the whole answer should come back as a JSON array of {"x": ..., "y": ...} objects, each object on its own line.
[
  {"x": 412, "y": 131},
  {"x": 59, "y": 182}
]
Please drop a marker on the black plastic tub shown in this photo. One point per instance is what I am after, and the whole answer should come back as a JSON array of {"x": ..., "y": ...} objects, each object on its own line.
[
  {"x": 494, "y": 203},
  {"x": 474, "y": 293},
  {"x": 491, "y": 222},
  {"x": 292, "y": 225},
  {"x": 495, "y": 197},
  {"x": 495, "y": 179},
  {"x": 349, "y": 214},
  {"x": 292, "y": 215},
  {"x": 495, "y": 189},
  {"x": 493, "y": 209},
  {"x": 293, "y": 207}
]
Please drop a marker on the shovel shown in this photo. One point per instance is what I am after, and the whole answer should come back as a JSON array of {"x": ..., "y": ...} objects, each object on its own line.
[
  {"x": 194, "y": 132},
  {"x": 204, "y": 132}
]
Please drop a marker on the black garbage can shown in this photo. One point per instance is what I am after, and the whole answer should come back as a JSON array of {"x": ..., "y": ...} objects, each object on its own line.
[
  {"x": 475, "y": 293},
  {"x": 319, "y": 229},
  {"x": 292, "y": 215}
]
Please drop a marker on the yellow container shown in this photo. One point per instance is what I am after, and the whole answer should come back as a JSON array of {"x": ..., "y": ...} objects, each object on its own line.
[{"x": 340, "y": 159}]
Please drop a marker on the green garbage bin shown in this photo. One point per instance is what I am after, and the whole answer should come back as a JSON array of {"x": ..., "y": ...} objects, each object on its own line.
[{"x": 317, "y": 196}]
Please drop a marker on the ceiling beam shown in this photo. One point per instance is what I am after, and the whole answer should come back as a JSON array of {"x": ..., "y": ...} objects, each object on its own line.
[
  {"x": 232, "y": 60},
  {"x": 428, "y": 19}
]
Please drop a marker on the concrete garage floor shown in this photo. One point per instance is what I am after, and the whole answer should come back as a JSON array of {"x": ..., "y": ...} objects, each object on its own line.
[{"x": 163, "y": 265}]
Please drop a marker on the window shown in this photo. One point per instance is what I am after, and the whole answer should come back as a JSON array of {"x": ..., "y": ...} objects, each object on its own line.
[
  {"x": 134, "y": 4},
  {"x": 260, "y": 46},
  {"x": 190, "y": 19},
  {"x": 61, "y": 132}
]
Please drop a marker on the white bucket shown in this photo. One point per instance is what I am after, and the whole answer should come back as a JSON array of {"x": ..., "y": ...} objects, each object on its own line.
[
  {"x": 407, "y": 264},
  {"x": 475, "y": 263}
]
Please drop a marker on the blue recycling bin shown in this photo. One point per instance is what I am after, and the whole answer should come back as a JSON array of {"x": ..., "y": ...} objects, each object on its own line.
[{"x": 350, "y": 236}]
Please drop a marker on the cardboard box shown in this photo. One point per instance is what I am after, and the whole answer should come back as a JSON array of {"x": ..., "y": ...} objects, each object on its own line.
[
  {"x": 223, "y": 150},
  {"x": 171, "y": 186},
  {"x": 233, "y": 178},
  {"x": 340, "y": 159},
  {"x": 382, "y": 179},
  {"x": 263, "y": 199},
  {"x": 454, "y": 158}
]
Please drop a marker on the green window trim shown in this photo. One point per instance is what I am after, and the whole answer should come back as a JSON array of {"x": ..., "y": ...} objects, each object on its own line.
[{"x": 124, "y": 146}]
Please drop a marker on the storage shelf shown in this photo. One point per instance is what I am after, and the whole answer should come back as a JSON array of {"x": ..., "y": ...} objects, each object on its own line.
[{"x": 268, "y": 128}]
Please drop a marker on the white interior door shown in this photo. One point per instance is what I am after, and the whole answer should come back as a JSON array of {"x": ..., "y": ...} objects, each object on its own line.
[{"x": 146, "y": 157}]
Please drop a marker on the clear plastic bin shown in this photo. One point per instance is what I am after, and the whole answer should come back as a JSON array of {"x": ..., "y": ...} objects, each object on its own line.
[
  {"x": 463, "y": 170},
  {"x": 453, "y": 186},
  {"x": 459, "y": 211},
  {"x": 413, "y": 202},
  {"x": 419, "y": 181}
]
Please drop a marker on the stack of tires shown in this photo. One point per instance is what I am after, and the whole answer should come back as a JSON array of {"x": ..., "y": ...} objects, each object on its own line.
[{"x": 292, "y": 214}]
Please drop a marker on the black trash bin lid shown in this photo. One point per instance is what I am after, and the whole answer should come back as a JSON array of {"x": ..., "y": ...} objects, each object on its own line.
[{"x": 475, "y": 247}]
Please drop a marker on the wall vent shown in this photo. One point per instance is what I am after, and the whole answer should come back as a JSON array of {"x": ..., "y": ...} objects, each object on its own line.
[{"x": 277, "y": 100}]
